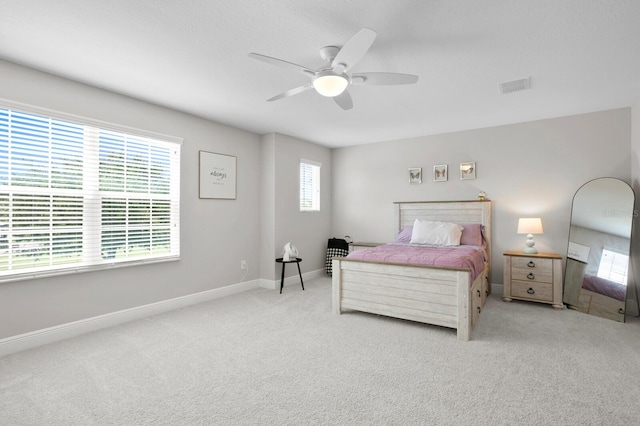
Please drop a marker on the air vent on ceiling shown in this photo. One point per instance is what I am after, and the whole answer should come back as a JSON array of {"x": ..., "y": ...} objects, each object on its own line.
[{"x": 515, "y": 85}]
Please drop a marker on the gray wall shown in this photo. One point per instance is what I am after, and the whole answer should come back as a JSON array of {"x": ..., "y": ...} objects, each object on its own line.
[
  {"x": 308, "y": 231},
  {"x": 268, "y": 207},
  {"x": 215, "y": 234},
  {"x": 527, "y": 169}
]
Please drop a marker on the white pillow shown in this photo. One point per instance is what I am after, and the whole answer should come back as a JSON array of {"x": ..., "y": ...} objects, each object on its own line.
[{"x": 436, "y": 233}]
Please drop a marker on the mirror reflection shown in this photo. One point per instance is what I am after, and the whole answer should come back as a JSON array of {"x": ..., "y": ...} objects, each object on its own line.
[{"x": 597, "y": 265}]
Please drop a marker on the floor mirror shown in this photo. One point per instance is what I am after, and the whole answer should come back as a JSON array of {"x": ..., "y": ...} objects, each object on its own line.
[{"x": 597, "y": 264}]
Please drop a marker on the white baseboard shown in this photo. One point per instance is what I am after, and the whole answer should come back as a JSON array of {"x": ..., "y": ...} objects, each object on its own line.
[
  {"x": 497, "y": 289},
  {"x": 292, "y": 280},
  {"x": 45, "y": 336}
]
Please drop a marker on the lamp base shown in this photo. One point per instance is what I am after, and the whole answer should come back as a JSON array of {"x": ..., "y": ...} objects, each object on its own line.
[{"x": 530, "y": 249}]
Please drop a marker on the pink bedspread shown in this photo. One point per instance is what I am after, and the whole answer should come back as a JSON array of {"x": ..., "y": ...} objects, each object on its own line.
[
  {"x": 605, "y": 287},
  {"x": 465, "y": 257}
]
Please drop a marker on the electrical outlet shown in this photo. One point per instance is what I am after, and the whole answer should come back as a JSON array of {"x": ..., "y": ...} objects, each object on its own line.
[{"x": 243, "y": 264}]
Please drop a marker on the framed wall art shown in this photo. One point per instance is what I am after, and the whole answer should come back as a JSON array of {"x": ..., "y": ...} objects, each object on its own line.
[
  {"x": 415, "y": 175},
  {"x": 468, "y": 170},
  {"x": 440, "y": 173},
  {"x": 217, "y": 176}
]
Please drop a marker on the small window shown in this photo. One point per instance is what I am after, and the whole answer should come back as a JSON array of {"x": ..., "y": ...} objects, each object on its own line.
[
  {"x": 309, "y": 186},
  {"x": 614, "y": 266}
]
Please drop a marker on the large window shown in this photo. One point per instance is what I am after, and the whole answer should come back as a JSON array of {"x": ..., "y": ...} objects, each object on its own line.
[
  {"x": 309, "y": 186},
  {"x": 78, "y": 195}
]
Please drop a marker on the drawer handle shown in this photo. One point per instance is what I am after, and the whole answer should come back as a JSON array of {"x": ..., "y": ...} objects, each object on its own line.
[
  {"x": 531, "y": 264},
  {"x": 479, "y": 294},
  {"x": 531, "y": 276},
  {"x": 479, "y": 310},
  {"x": 621, "y": 311},
  {"x": 531, "y": 291}
]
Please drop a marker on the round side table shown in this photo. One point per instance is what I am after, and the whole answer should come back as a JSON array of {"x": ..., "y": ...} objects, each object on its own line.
[{"x": 295, "y": 260}]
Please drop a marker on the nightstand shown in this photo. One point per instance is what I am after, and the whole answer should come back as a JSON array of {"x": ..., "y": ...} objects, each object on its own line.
[
  {"x": 361, "y": 246},
  {"x": 533, "y": 277}
]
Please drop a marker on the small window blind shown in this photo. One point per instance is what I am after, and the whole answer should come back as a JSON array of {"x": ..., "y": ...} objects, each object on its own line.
[
  {"x": 309, "y": 186},
  {"x": 614, "y": 266},
  {"x": 78, "y": 196}
]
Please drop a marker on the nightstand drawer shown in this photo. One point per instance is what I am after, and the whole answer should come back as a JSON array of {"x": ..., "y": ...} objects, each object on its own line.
[
  {"x": 532, "y": 263},
  {"x": 532, "y": 276},
  {"x": 542, "y": 292}
]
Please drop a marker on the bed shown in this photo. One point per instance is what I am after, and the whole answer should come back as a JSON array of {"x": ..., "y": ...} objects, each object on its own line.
[
  {"x": 446, "y": 296},
  {"x": 602, "y": 298},
  {"x": 588, "y": 293}
]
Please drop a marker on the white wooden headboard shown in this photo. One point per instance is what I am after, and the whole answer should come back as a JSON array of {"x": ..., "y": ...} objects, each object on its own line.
[{"x": 448, "y": 211}]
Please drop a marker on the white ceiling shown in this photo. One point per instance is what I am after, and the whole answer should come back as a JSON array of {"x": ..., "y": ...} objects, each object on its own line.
[{"x": 582, "y": 56}]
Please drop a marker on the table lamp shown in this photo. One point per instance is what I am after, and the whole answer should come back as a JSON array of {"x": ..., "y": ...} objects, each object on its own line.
[{"x": 530, "y": 226}]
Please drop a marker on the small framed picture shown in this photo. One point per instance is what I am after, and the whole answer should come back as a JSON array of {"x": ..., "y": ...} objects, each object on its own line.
[
  {"x": 440, "y": 173},
  {"x": 415, "y": 175},
  {"x": 217, "y": 176},
  {"x": 468, "y": 170}
]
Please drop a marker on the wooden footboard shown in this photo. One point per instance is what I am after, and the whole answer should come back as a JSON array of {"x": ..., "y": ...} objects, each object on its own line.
[{"x": 439, "y": 296}]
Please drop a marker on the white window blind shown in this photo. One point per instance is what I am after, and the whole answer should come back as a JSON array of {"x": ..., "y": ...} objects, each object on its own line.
[
  {"x": 76, "y": 196},
  {"x": 614, "y": 266},
  {"x": 309, "y": 186}
]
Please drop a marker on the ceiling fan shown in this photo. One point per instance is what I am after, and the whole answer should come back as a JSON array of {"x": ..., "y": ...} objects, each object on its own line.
[{"x": 332, "y": 80}]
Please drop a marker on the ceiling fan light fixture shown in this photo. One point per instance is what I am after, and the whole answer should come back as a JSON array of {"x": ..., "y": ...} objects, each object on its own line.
[
  {"x": 334, "y": 77},
  {"x": 330, "y": 84}
]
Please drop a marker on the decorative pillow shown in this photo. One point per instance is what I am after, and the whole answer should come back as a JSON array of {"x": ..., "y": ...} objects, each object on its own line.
[
  {"x": 471, "y": 234},
  {"x": 436, "y": 233},
  {"x": 404, "y": 236}
]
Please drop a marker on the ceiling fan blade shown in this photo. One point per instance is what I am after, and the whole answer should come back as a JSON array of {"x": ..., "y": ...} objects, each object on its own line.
[
  {"x": 383, "y": 78},
  {"x": 291, "y": 92},
  {"x": 282, "y": 63},
  {"x": 354, "y": 49},
  {"x": 344, "y": 100}
]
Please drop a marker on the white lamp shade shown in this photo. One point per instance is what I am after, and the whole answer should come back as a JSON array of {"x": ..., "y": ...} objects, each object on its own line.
[
  {"x": 330, "y": 84},
  {"x": 530, "y": 225}
]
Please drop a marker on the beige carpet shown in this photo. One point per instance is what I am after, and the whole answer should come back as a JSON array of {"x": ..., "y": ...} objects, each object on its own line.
[{"x": 261, "y": 358}]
